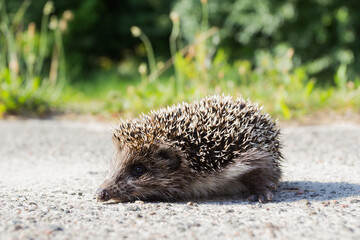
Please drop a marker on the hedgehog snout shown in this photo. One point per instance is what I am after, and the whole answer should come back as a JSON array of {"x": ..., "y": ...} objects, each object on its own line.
[{"x": 102, "y": 195}]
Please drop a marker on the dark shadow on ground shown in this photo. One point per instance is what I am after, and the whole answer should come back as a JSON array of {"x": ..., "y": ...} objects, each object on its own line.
[
  {"x": 293, "y": 191},
  {"x": 315, "y": 191}
]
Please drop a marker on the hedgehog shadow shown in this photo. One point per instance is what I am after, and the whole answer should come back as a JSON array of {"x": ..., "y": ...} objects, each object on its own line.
[{"x": 293, "y": 191}]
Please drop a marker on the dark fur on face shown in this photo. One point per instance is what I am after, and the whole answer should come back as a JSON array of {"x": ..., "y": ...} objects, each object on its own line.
[{"x": 156, "y": 172}]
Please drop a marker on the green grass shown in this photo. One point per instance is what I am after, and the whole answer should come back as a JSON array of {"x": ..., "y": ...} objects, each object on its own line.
[
  {"x": 108, "y": 92},
  {"x": 96, "y": 94}
]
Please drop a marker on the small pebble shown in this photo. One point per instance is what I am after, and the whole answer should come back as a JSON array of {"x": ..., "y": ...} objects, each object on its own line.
[
  {"x": 300, "y": 192},
  {"x": 56, "y": 228},
  {"x": 191, "y": 204},
  {"x": 314, "y": 195},
  {"x": 131, "y": 208},
  {"x": 18, "y": 227}
]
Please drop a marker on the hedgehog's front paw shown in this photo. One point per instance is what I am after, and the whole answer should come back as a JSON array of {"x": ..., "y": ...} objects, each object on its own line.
[{"x": 262, "y": 194}]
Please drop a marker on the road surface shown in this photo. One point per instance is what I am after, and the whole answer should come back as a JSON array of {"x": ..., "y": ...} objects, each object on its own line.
[{"x": 50, "y": 169}]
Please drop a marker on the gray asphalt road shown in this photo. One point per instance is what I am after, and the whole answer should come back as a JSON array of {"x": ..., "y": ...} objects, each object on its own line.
[{"x": 49, "y": 171}]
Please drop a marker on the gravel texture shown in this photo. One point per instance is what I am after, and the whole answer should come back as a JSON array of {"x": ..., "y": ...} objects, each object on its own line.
[{"x": 49, "y": 171}]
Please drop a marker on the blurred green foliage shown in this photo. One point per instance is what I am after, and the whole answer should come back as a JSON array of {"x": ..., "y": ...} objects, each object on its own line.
[
  {"x": 32, "y": 66},
  {"x": 201, "y": 68},
  {"x": 294, "y": 57},
  {"x": 100, "y": 30},
  {"x": 323, "y": 33}
]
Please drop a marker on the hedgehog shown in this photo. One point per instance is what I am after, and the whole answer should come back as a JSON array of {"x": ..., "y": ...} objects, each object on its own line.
[{"x": 213, "y": 147}]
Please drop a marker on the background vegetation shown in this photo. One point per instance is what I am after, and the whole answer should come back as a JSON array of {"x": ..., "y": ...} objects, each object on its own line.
[{"x": 294, "y": 57}]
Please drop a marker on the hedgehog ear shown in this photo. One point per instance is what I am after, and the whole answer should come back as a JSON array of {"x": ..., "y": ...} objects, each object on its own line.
[{"x": 169, "y": 155}]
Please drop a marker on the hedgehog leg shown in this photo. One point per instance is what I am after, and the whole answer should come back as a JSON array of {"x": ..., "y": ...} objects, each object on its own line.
[
  {"x": 263, "y": 177},
  {"x": 260, "y": 184}
]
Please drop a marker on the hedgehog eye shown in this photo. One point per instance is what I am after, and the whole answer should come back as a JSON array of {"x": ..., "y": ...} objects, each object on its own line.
[{"x": 138, "y": 170}]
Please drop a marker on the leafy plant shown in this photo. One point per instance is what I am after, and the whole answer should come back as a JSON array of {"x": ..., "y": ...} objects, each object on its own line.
[
  {"x": 30, "y": 83},
  {"x": 202, "y": 64},
  {"x": 202, "y": 67},
  {"x": 322, "y": 33}
]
